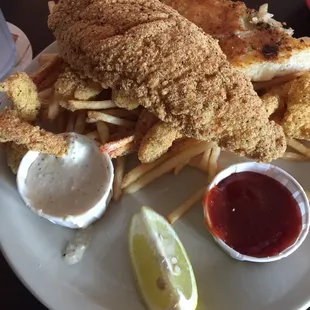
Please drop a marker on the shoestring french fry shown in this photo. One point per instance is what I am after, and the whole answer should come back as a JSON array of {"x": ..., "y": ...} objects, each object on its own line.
[
  {"x": 180, "y": 167},
  {"x": 53, "y": 110},
  {"x": 44, "y": 58},
  {"x": 71, "y": 122},
  {"x": 183, "y": 144},
  {"x": 46, "y": 93},
  {"x": 212, "y": 168},
  {"x": 100, "y": 116},
  {"x": 298, "y": 146},
  {"x": 46, "y": 76},
  {"x": 142, "y": 169},
  {"x": 80, "y": 123},
  {"x": 45, "y": 102},
  {"x": 277, "y": 81},
  {"x": 119, "y": 169},
  {"x": 93, "y": 135},
  {"x": 294, "y": 157},
  {"x": 196, "y": 163},
  {"x": 103, "y": 131},
  {"x": 166, "y": 167},
  {"x": 205, "y": 158},
  {"x": 51, "y": 5},
  {"x": 201, "y": 162},
  {"x": 121, "y": 113},
  {"x": 186, "y": 205},
  {"x": 74, "y": 105}
]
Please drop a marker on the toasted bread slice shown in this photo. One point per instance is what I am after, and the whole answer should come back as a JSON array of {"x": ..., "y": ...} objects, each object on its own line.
[{"x": 253, "y": 41}]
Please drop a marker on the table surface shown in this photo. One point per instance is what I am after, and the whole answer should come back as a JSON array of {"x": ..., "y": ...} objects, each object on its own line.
[{"x": 31, "y": 17}]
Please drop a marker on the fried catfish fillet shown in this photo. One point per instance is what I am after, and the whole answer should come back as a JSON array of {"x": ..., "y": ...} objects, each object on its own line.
[
  {"x": 253, "y": 41},
  {"x": 154, "y": 57}
]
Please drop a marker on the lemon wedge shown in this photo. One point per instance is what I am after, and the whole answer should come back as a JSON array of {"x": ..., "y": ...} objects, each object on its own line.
[{"x": 162, "y": 270}]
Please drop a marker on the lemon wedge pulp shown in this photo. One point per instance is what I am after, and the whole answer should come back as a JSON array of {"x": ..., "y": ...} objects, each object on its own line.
[{"x": 162, "y": 270}]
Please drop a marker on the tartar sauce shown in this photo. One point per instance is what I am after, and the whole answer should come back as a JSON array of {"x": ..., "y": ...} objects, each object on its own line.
[
  {"x": 68, "y": 186},
  {"x": 77, "y": 246}
]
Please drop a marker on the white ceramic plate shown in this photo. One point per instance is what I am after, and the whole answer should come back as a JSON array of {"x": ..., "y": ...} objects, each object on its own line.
[
  {"x": 102, "y": 280},
  {"x": 23, "y": 49}
]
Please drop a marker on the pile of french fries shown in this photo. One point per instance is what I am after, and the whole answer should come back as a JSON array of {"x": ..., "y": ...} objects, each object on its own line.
[{"x": 114, "y": 129}]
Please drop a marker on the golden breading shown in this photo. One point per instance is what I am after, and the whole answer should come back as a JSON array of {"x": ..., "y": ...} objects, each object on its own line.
[
  {"x": 23, "y": 94},
  {"x": 296, "y": 121},
  {"x": 271, "y": 102},
  {"x": 146, "y": 121},
  {"x": 70, "y": 85},
  {"x": 14, "y": 155},
  {"x": 66, "y": 83},
  {"x": 12, "y": 129},
  {"x": 87, "y": 89},
  {"x": 163, "y": 62},
  {"x": 157, "y": 141},
  {"x": 275, "y": 105}
]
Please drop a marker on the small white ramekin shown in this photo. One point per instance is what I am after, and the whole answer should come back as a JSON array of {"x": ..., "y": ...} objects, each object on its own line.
[
  {"x": 70, "y": 221},
  {"x": 290, "y": 183}
]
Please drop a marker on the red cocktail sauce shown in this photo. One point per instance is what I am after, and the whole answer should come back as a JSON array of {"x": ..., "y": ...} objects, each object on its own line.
[{"x": 253, "y": 213}]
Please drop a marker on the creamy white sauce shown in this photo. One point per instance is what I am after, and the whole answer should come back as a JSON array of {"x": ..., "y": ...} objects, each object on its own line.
[
  {"x": 72, "y": 190},
  {"x": 68, "y": 185}
]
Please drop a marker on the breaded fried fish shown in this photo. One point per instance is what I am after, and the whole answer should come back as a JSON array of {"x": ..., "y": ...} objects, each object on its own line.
[{"x": 153, "y": 57}]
